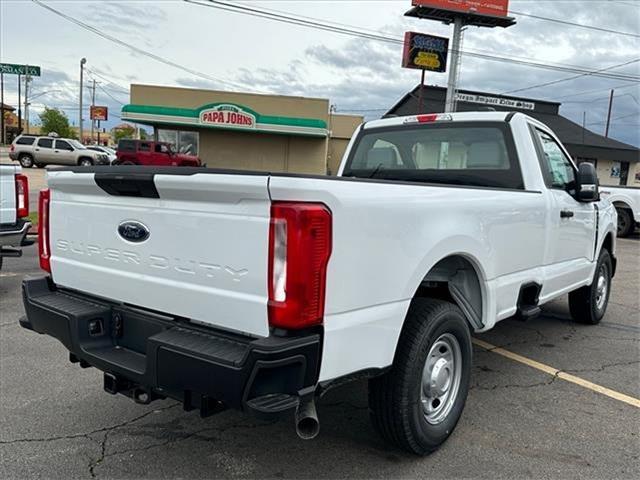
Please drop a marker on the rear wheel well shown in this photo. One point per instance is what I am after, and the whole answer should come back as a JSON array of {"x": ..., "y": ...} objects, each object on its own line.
[
  {"x": 622, "y": 205},
  {"x": 456, "y": 280}
]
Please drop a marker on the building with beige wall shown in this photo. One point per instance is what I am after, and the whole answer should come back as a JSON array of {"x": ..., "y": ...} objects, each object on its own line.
[{"x": 243, "y": 130}]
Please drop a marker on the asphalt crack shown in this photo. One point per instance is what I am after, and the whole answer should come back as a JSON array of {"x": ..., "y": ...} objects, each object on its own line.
[
  {"x": 176, "y": 438},
  {"x": 86, "y": 434}
]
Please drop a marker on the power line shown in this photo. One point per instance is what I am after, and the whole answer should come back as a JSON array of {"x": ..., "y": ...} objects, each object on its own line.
[
  {"x": 566, "y": 79},
  {"x": 119, "y": 88},
  {"x": 598, "y": 90},
  {"x": 138, "y": 50},
  {"x": 321, "y": 25},
  {"x": 573, "y": 24}
]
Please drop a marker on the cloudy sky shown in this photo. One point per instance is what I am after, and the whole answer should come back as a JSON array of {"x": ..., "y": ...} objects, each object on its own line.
[{"x": 225, "y": 50}]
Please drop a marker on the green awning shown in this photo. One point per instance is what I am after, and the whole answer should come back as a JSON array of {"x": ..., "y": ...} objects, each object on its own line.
[{"x": 229, "y": 116}]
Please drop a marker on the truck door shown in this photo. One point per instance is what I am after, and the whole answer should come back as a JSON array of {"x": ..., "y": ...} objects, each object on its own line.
[{"x": 572, "y": 223}]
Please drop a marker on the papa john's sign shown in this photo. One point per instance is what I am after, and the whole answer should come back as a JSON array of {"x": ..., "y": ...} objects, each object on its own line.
[{"x": 227, "y": 115}]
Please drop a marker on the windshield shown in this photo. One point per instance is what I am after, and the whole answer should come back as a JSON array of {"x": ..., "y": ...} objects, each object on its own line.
[
  {"x": 76, "y": 144},
  {"x": 460, "y": 153}
]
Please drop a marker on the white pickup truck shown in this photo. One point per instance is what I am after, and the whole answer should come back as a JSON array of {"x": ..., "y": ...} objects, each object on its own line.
[
  {"x": 261, "y": 291},
  {"x": 627, "y": 203},
  {"x": 14, "y": 210}
]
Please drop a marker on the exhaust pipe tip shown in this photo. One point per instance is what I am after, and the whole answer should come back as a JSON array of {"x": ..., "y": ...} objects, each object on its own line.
[{"x": 307, "y": 423}]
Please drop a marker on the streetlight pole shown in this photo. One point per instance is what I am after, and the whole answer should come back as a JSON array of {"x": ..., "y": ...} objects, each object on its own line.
[{"x": 82, "y": 62}]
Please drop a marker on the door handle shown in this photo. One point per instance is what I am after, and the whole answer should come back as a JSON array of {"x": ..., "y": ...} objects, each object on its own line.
[{"x": 566, "y": 214}]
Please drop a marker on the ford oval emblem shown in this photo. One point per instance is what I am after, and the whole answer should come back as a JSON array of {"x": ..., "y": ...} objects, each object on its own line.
[{"x": 133, "y": 231}]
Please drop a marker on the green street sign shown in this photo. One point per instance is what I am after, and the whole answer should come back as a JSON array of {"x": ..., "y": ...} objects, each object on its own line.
[{"x": 13, "y": 69}]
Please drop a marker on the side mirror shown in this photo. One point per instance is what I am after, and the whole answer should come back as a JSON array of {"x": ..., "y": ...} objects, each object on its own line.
[{"x": 587, "y": 183}]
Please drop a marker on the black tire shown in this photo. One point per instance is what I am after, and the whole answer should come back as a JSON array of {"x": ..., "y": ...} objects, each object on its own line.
[
  {"x": 587, "y": 304},
  {"x": 26, "y": 160},
  {"x": 127, "y": 162},
  {"x": 40, "y": 165},
  {"x": 85, "y": 162},
  {"x": 625, "y": 222},
  {"x": 396, "y": 398}
]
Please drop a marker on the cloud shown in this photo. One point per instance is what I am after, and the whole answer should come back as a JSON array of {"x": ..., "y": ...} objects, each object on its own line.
[{"x": 366, "y": 74}]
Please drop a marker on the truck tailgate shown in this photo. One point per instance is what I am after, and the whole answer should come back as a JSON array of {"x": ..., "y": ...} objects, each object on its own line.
[{"x": 205, "y": 256}]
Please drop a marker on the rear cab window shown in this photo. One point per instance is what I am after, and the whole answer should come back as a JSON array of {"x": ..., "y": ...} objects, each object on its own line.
[{"x": 480, "y": 154}]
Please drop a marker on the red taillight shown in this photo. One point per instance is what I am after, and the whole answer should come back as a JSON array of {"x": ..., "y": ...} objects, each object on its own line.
[
  {"x": 44, "y": 249},
  {"x": 12, "y": 148},
  {"x": 299, "y": 250},
  {"x": 22, "y": 196},
  {"x": 428, "y": 118}
]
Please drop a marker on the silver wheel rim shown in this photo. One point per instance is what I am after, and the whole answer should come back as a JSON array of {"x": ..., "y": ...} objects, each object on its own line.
[
  {"x": 27, "y": 162},
  {"x": 602, "y": 287},
  {"x": 441, "y": 377},
  {"x": 85, "y": 163}
]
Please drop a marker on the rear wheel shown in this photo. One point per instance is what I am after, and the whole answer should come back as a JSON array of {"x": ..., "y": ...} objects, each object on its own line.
[
  {"x": 26, "y": 160},
  {"x": 417, "y": 404},
  {"x": 85, "y": 162},
  {"x": 589, "y": 304},
  {"x": 625, "y": 222},
  {"x": 40, "y": 165}
]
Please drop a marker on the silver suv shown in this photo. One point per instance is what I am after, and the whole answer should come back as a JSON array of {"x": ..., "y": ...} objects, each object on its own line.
[{"x": 32, "y": 150}]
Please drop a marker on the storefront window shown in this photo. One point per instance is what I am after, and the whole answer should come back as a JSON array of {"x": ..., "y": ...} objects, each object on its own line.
[{"x": 182, "y": 141}]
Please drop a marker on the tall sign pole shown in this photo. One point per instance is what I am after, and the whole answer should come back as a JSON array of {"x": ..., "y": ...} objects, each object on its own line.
[{"x": 452, "y": 83}]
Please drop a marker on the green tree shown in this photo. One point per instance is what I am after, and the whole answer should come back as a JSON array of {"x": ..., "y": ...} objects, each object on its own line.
[
  {"x": 123, "y": 132},
  {"x": 54, "y": 120}
]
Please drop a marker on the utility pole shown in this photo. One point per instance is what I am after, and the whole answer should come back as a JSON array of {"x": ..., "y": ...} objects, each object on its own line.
[
  {"x": 93, "y": 103},
  {"x": 584, "y": 124},
  {"x": 82, "y": 62},
  {"x": 2, "y": 108},
  {"x": 606, "y": 130},
  {"x": 19, "y": 104},
  {"x": 27, "y": 79}
]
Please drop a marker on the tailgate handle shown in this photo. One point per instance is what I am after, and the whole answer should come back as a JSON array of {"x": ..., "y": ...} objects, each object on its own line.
[{"x": 129, "y": 185}]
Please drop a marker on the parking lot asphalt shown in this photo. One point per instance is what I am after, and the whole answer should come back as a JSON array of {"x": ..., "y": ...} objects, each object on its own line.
[{"x": 519, "y": 422}]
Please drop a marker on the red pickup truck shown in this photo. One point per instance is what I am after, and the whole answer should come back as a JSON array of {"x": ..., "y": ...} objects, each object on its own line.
[{"x": 144, "y": 152}]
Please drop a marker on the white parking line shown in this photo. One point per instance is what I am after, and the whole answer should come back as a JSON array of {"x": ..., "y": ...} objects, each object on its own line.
[{"x": 635, "y": 402}]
